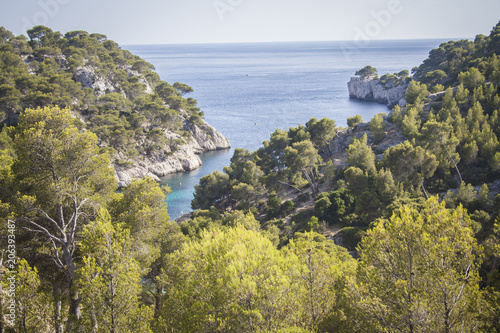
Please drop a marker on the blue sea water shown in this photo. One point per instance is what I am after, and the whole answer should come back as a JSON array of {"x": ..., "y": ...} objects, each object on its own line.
[{"x": 248, "y": 90}]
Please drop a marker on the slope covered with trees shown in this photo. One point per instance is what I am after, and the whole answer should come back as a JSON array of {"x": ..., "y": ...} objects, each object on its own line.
[
  {"x": 444, "y": 142},
  {"x": 116, "y": 95},
  {"x": 414, "y": 195}
]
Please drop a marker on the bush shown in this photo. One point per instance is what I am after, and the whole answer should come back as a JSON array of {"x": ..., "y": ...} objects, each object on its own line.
[
  {"x": 367, "y": 71},
  {"x": 273, "y": 206},
  {"x": 351, "y": 236},
  {"x": 353, "y": 121},
  {"x": 287, "y": 207}
]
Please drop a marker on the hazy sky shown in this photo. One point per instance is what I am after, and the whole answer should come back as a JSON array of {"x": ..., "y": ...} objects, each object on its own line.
[{"x": 221, "y": 21}]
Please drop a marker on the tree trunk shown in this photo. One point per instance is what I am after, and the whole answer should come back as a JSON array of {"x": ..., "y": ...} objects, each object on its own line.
[
  {"x": 2, "y": 323},
  {"x": 95, "y": 325},
  {"x": 446, "y": 314},
  {"x": 311, "y": 180},
  {"x": 56, "y": 292},
  {"x": 75, "y": 313},
  {"x": 454, "y": 164},
  {"x": 157, "y": 295},
  {"x": 425, "y": 192},
  {"x": 290, "y": 185}
]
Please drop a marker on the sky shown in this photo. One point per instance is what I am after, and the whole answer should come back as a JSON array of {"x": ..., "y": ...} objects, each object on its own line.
[{"x": 239, "y": 21}]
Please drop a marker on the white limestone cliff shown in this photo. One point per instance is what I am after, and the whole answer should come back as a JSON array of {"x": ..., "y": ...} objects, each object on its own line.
[
  {"x": 184, "y": 158},
  {"x": 372, "y": 90}
]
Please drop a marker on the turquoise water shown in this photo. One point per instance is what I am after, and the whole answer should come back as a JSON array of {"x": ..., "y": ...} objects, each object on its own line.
[{"x": 249, "y": 90}]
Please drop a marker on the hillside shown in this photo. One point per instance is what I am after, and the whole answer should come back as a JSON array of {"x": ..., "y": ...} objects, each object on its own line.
[
  {"x": 147, "y": 125},
  {"x": 391, "y": 225},
  {"x": 449, "y": 114}
]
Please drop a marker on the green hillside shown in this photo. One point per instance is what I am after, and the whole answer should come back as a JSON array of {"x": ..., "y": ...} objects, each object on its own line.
[
  {"x": 387, "y": 226},
  {"x": 111, "y": 92}
]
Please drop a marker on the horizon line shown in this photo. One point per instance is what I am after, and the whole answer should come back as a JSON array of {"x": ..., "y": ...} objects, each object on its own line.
[{"x": 302, "y": 41}]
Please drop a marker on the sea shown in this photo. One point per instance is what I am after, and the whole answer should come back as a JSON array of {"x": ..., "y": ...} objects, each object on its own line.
[{"x": 247, "y": 91}]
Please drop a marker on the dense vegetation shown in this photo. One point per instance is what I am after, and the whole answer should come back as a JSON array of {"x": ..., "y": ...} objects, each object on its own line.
[
  {"x": 420, "y": 213},
  {"x": 450, "y": 148},
  {"x": 123, "y": 100}
]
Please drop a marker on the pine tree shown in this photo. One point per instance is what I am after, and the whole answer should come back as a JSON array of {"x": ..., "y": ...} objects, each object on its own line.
[
  {"x": 419, "y": 272},
  {"x": 110, "y": 281},
  {"x": 62, "y": 178},
  {"x": 360, "y": 155}
]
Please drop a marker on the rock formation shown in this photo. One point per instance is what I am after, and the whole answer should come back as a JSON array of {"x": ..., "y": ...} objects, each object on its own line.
[
  {"x": 372, "y": 90},
  {"x": 184, "y": 158}
]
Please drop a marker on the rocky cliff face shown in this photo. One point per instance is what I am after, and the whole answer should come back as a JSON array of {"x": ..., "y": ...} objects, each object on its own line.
[
  {"x": 158, "y": 163},
  {"x": 89, "y": 78},
  {"x": 184, "y": 158},
  {"x": 372, "y": 90}
]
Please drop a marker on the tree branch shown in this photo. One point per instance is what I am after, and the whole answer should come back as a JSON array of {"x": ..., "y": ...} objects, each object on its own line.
[
  {"x": 290, "y": 185},
  {"x": 41, "y": 211},
  {"x": 42, "y": 230},
  {"x": 57, "y": 260},
  {"x": 455, "y": 163}
]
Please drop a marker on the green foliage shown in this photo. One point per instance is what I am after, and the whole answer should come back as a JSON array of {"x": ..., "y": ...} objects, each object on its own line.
[
  {"x": 131, "y": 270},
  {"x": 419, "y": 271},
  {"x": 302, "y": 160},
  {"x": 61, "y": 181},
  {"x": 360, "y": 155},
  {"x": 122, "y": 116},
  {"x": 232, "y": 278},
  {"x": 182, "y": 88},
  {"x": 367, "y": 71},
  {"x": 416, "y": 92},
  {"x": 354, "y": 120},
  {"x": 289, "y": 160},
  {"x": 31, "y": 304},
  {"x": 373, "y": 192},
  {"x": 213, "y": 190},
  {"x": 273, "y": 206},
  {"x": 377, "y": 127},
  {"x": 435, "y": 77},
  {"x": 450, "y": 58},
  {"x": 438, "y": 138},
  {"x": 287, "y": 207},
  {"x": 393, "y": 80},
  {"x": 410, "y": 165},
  {"x": 335, "y": 207},
  {"x": 351, "y": 236},
  {"x": 467, "y": 196},
  {"x": 471, "y": 79},
  {"x": 109, "y": 280},
  {"x": 142, "y": 209},
  {"x": 322, "y": 132},
  {"x": 323, "y": 267}
]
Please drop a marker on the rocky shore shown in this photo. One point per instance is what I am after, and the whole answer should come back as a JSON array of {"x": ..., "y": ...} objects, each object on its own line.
[
  {"x": 371, "y": 89},
  {"x": 184, "y": 158},
  {"x": 203, "y": 137}
]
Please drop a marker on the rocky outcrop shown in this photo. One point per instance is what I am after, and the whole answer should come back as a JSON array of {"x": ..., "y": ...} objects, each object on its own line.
[
  {"x": 185, "y": 158},
  {"x": 372, "y": 90},
  {"x": 161, "y": 162},
  {"x": 89, "y": 78},
  {"x": 156, "y": 164},
  {"x": 339, "y": 144},
  {"x": 206, "y": 138}
]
